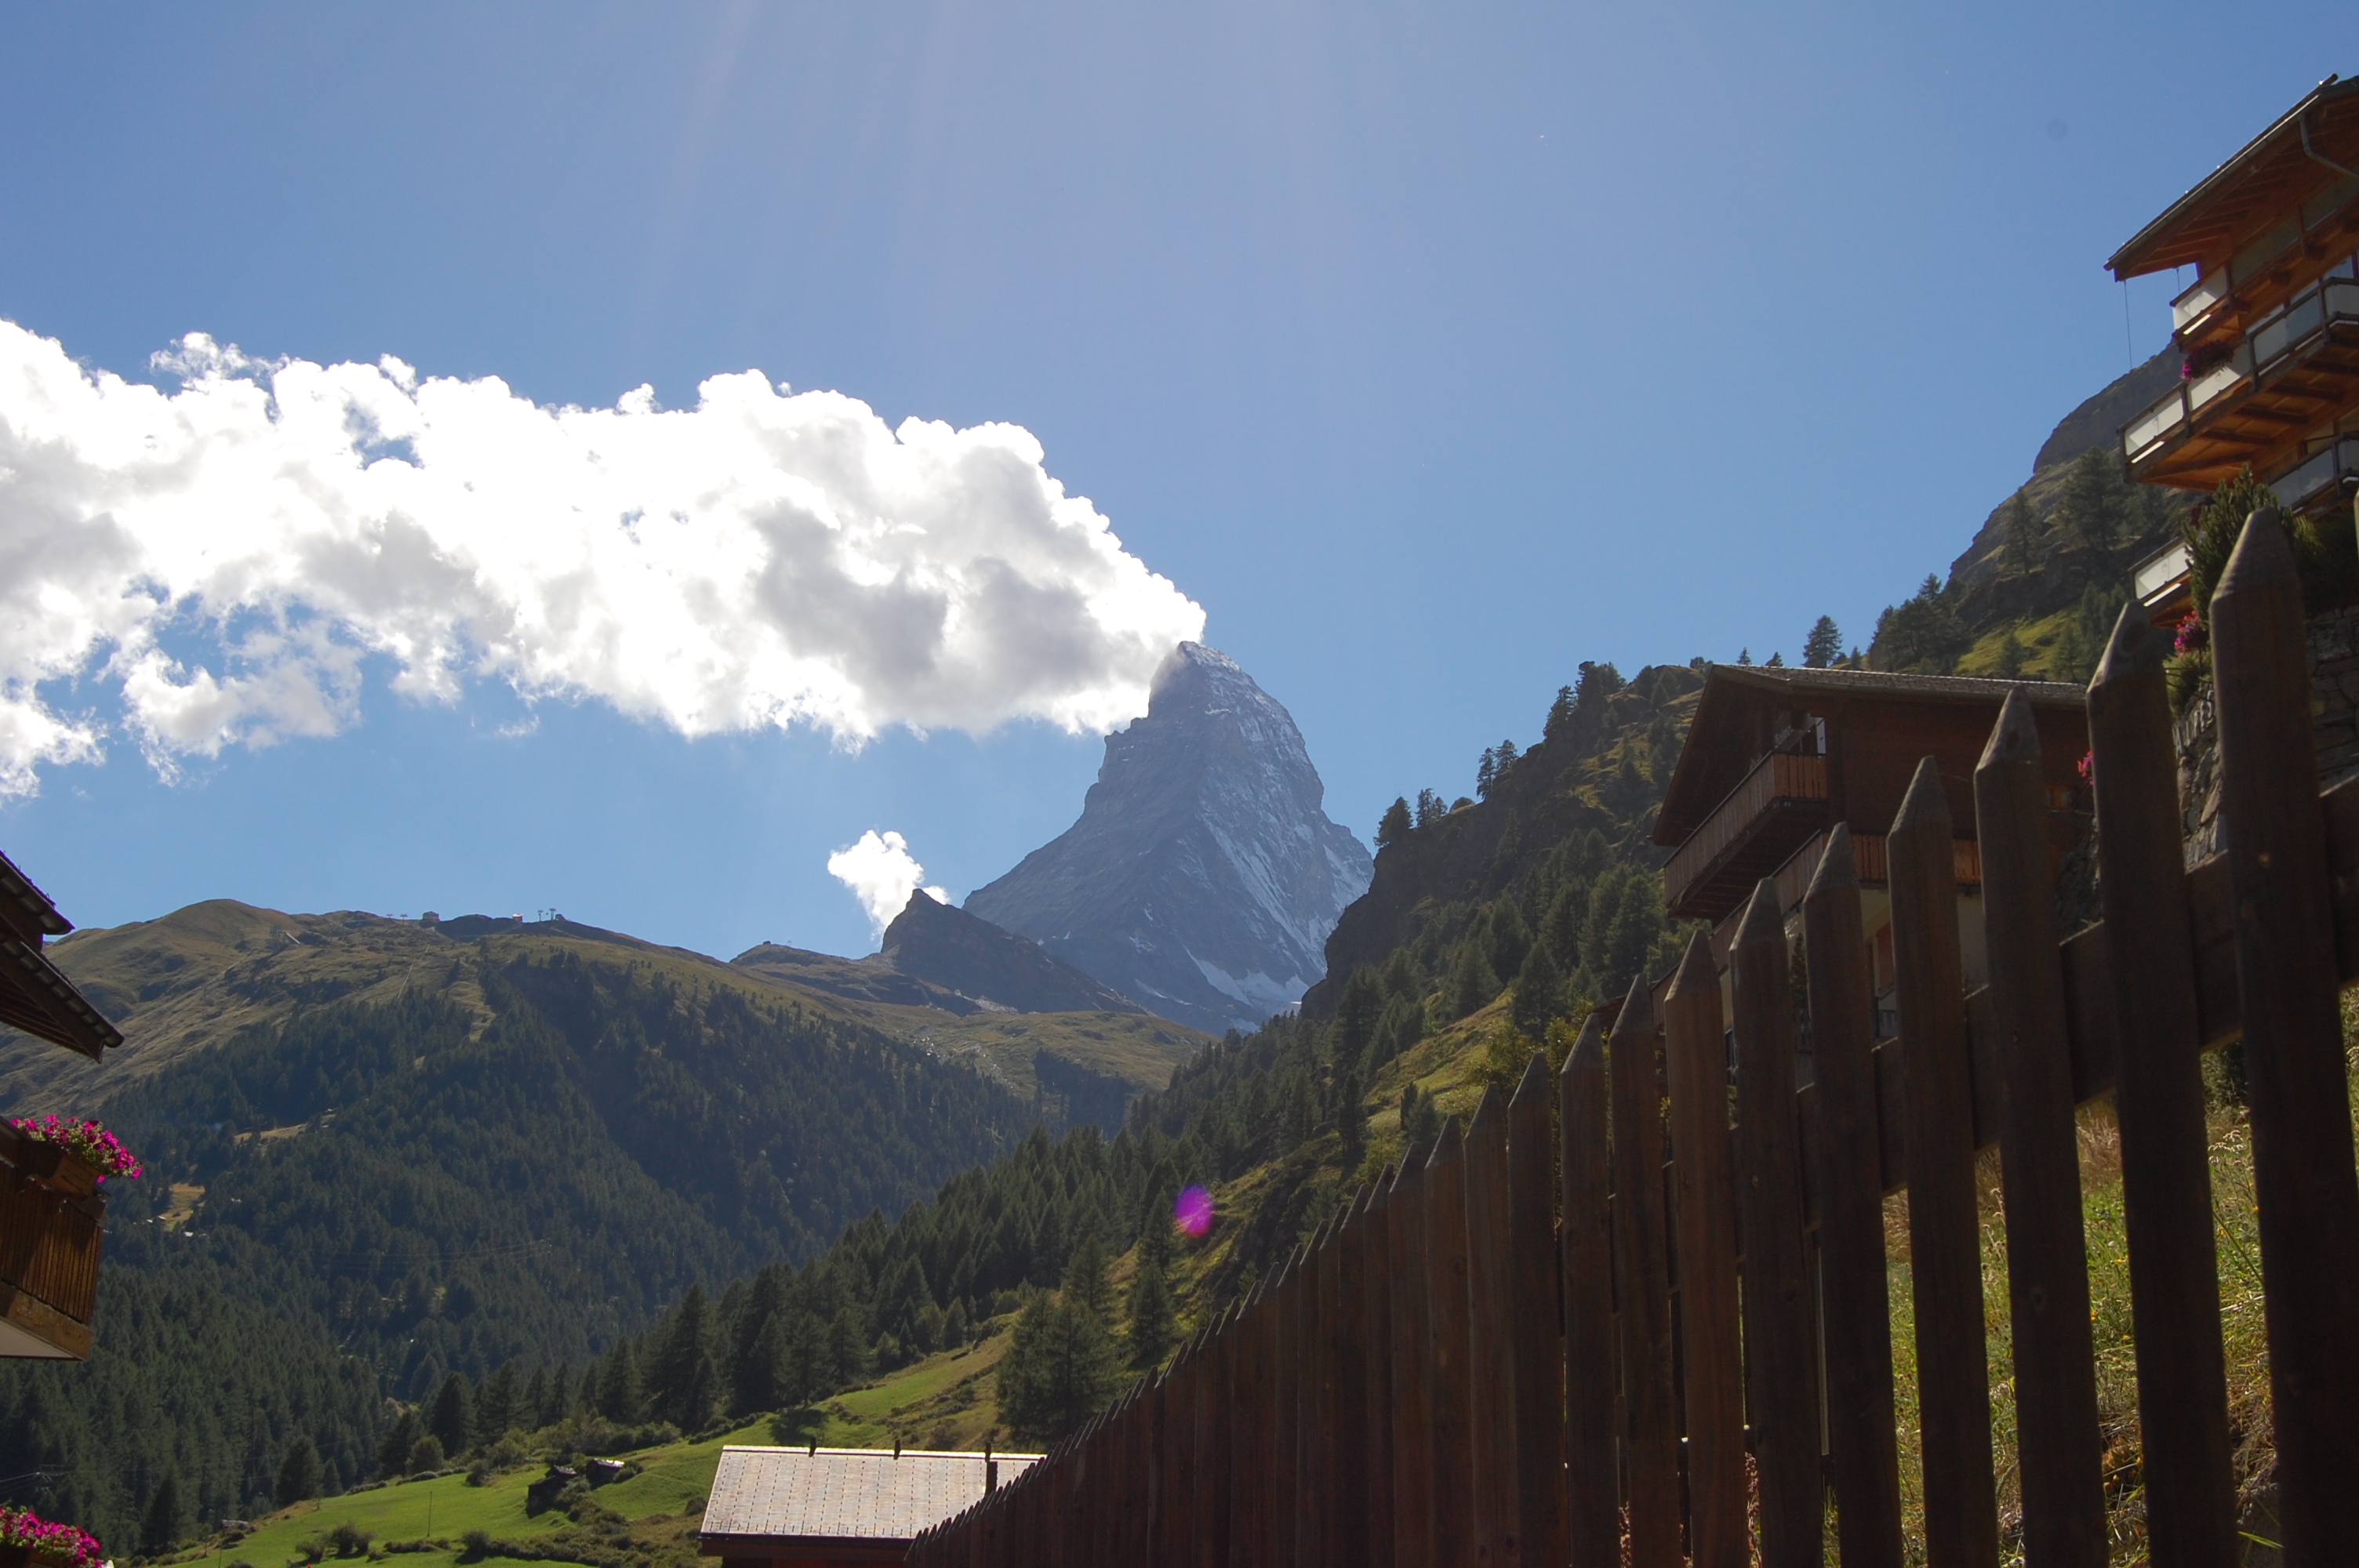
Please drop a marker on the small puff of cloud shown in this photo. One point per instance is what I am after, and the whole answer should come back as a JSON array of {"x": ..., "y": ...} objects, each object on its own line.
[
  {"x": 225, "y": 558},
  {"x": 881, "y": 873}
]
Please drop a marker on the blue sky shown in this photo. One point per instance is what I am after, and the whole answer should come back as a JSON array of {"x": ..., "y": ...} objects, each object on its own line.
[{"x": 1428, "y": 350}]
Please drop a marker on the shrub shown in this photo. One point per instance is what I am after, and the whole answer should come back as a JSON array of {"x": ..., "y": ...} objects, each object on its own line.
[
  {"x": 350, "y": 1539},
  {"x": 425, "y": 1455}
]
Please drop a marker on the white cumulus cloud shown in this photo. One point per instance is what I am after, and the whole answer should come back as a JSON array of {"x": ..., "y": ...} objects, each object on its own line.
[
  {"x": 881, "y": 873},
  {"x": 225, "y": 556}
]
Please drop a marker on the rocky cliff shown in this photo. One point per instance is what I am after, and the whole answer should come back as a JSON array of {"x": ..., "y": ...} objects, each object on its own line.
[{"x": 1203, "y": 876}]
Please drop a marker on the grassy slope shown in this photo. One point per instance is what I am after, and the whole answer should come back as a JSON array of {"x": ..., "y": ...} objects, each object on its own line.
[
  {"x": 948, "y": 1401},
  {"x": 1458, "y": 1060},
  {"x": 446, "y": 1508}
]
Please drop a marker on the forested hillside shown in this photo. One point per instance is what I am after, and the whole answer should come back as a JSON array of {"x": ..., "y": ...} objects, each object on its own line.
[
  {"x": 1492, "y": 924},
  {"x": 374, "y": 1194}
]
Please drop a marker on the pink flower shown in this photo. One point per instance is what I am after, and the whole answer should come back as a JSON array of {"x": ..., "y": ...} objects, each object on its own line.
[
  {"x": 86, "y": 1141},
  {"x": 2192, "y": 634},
  {"x": 22, "y": 1527}
]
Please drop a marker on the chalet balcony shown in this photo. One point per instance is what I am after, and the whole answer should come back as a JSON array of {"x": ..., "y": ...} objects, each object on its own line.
[
  {"x": 2326, "y": 474},
  {"x": 2297, "y": 367},
  {"x": 2271, "y": 266},
  {"x": 1780, "y": 804},
  {"x": 51, "y": 1217}
]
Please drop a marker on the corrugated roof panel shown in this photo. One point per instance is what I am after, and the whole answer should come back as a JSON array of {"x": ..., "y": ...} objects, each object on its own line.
[{"x": 844, "y": 1493}]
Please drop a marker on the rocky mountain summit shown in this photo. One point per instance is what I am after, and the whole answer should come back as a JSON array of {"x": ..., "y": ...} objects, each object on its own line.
[{"x": 1203, "y": 876}]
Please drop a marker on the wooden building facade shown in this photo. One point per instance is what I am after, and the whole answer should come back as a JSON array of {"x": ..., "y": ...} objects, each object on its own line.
[
  {"x": 1777, "y": 757},
  {"x": 51, "y": 1210}
]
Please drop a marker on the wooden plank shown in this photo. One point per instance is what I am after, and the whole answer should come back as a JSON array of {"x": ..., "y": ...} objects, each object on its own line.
[
  {"x": 2286, "y": 964},
  {"x": 1314, "y": 1421},
  {"x": 1863, "y": 1460},
  {"x": 2057, "y": 1442},
  {"x": 1591, "y": 1416},
  {"x": 1376, "y": 1243},
  {"x": 1445, "y": 1243},
  {"x": 2159, "y": 1097},
  {"x": 1348, "y": 1534},
  {"x": 1944, "y": 1226},
  {"x": 1286, "y": 1363},
  {"x": 1213, "y": 1429},
  {"x": 1171, "y": 1445},
  {"x": 1642, "y": 1266},
  {"x": 1249, "y": 1442},
  {"x": 1412, "y": 1364},
  {"x": 1490, "y": 1353},
  {"x": 1534, "y": 1314},
  {"x": 1781, "y": 1324},
  {"x": 1695, "y": 1056}
]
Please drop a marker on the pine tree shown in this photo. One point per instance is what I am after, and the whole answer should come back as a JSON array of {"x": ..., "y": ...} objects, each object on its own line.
[
  {"x": 1395, "y": 824},
  {"x": 160, "y": 1526},
  {"x": 618, "y": 1385},
  {"x": 393, "y": 1453},
  {"x": 1559, "y": 724},
  {"x": 1431, "y": 809},
  {"x": 1471, "y": 983},
  {"x": 1060, "y": 1370},
  {"x": 1539, "y": 992},
  {"x": 1777, "y": 661},
  {"x": 534, "y": 1400},
  {"x": 1823, "y": 646},
  {"x": 752, "y": 1350},
  {"x": 2024, "y": 549},
  {"x": 298, "y": 1474},
  {"x": 1922, "y": 635},
  {"x": 451, "y": 1417},
  {"x": 1085, "y": 1278},
  {"x": 2095, "y": 511},
  {"x": 1358, "y": 1008},
  {"x": 498, "y": 1408},
  {"x": 679, "y": 1374}
]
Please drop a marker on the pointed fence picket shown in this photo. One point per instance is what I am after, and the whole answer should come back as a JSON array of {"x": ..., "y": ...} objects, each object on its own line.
[{"x": 1574, "y": 1333}]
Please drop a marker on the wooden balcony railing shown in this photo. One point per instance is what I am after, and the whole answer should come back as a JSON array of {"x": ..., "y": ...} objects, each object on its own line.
[
  {"x": 1776, "y": 782},
  {"x": 49, "y": 1258}
]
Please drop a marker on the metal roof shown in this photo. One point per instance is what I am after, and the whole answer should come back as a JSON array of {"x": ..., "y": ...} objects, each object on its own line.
[
  {"x": 1850, "y": 683},
  {"x": 2149, "y": 249},
  {"x": 844, "y": 1494}
]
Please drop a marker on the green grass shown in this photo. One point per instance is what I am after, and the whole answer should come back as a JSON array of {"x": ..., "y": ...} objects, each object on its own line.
[{"x": 446, "y": 1507}]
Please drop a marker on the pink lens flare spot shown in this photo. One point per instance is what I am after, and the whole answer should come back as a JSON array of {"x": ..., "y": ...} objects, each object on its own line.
[{"x": 1193, "y": 1211}]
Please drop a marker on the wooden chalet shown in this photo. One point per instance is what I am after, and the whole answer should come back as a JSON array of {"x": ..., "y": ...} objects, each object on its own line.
[
  {"x": 2270, "y": 326},
  {"x": 52, "y": 1212},
  {"x": 1776, "y": 757},
  {"x": 834, "y": 1507}
]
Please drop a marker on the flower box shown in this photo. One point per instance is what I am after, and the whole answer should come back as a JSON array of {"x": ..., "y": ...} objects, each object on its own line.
[
  {"x": 51, "y": 1213},
  {"x": 25, "y": 1557},
  {"x": 28, "y": 1540}
]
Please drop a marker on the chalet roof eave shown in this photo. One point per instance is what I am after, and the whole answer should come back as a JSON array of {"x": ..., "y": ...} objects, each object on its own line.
[
  {"x": 1726, "y": 685},
  {"x": 2125, "y": 262},
  {"x": 32, "y": 901}
]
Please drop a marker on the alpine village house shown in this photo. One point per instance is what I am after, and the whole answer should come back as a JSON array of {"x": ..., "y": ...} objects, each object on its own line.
[
  {"x": 2269, "y": 328},
  {"x": 51, "y": 1207},
  {"x": 2269, "y": 331}
]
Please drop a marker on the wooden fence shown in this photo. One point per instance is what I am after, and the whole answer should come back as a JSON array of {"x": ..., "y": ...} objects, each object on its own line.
[{"x": 1611, "y": 1317}]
